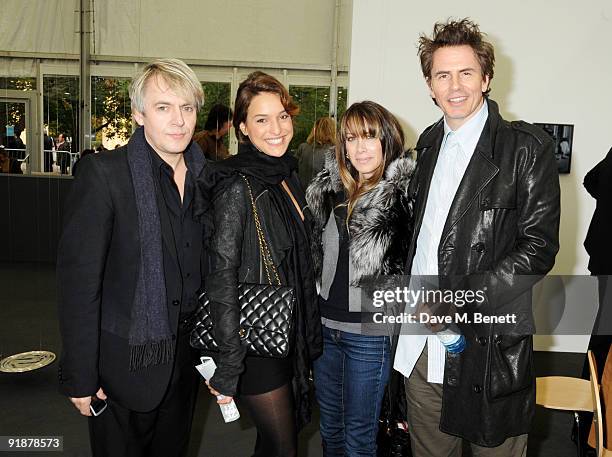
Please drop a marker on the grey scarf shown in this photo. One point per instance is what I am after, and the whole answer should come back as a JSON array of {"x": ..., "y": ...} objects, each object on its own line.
[{"x": 150, "y": 337}]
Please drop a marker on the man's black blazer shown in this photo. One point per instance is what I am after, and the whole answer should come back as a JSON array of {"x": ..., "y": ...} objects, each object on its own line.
[{"x": 97, "y": 268}]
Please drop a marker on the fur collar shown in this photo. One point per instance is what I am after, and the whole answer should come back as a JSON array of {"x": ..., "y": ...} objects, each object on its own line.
[
  {"x": 381, "y": 219},
  {"x": 396, "y": 178}
]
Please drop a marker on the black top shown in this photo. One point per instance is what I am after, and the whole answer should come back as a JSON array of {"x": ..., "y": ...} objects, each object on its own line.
[
  {"x": 186, "y": 231},
  {"x": 336, "y": 307}
]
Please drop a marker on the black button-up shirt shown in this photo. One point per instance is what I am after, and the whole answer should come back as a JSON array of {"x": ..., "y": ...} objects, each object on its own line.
[{"x": 181, "y": 260}]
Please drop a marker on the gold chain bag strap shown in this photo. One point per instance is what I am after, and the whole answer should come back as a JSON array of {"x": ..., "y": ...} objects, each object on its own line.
[
  {"x": 263, "y": 245},
  {"x": 266, "y": 310}
]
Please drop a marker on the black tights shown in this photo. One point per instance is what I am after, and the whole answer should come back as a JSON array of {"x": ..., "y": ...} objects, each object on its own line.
[{"x": 272, "y": 413}]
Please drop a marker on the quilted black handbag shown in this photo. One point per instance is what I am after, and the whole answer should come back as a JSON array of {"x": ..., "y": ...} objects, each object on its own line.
[{"x": 266, "y": 310}]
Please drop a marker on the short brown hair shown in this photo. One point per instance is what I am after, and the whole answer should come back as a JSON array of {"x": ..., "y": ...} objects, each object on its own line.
[
  {"x": 457, "y": 33},
  {"x": 256, "y": 83}
]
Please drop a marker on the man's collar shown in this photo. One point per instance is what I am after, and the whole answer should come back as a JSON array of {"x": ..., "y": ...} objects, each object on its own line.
[
  {"x": 194, "y": 159},
  {"x": 479, "y": 117},
  {"x": 159, "y": 162},
  {"x": 469, "y": 133},
  {"x": 155, "y": 158}
]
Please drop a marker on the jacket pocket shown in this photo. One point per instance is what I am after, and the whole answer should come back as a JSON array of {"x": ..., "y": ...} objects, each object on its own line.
[
  {"x": 494, "y": 200},
  {"x": 510, "y": 365}
]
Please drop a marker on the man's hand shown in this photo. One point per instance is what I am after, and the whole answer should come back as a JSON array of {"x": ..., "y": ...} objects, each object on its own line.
[
  {"x": 436, "y": 312},
  {"x": 82, "y": 403}
]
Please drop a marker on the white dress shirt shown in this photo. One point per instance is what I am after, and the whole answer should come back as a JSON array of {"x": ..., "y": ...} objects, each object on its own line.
[{"x": 455, "y": 153}]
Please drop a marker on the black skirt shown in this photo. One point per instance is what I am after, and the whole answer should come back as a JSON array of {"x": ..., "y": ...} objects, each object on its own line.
[{"x": 264, "y": 374}]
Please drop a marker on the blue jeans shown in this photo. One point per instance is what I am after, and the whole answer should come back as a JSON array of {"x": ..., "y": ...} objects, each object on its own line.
[{"x": 350, "y": 379}]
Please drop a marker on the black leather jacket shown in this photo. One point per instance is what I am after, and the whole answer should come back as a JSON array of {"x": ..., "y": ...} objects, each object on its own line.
[
  {"x": 501, "y": 236},
  {"x": 234, "y": 252}
]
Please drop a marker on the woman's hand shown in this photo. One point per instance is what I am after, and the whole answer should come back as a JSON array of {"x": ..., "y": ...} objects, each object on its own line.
[{"x": 221, "y": 399}]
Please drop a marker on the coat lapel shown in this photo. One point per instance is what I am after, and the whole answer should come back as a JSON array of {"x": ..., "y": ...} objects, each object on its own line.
[
  {"x": 428, "y": 149},
  {"x": 480, "y": 171}
]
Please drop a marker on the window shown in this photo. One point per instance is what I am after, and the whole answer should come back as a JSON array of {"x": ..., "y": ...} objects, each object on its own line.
[
  {"x": 13, "y": 135},
  {"x": 214, "y": 93},
  {"x": 61, "y": 115},
  {"x": 111, "y": 113},
  {"x": 17, "y": 83},
  {"x": 341, "y": 101},
  {"x": 314, "y": 103}
]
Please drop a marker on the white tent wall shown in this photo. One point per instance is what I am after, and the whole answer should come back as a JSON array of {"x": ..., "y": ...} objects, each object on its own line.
[
  {"x": 553, "y": 65},
  {"x": 16, "y": 67},
  {"x": 39, "y": 26},
  {"x": 291, "y": 33},
  {"x": 222, "y": 41},
  {"x": 294, "y": 31}
]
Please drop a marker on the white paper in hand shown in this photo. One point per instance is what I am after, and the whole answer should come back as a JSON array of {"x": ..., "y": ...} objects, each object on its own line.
[
  {"x": 207, "y": 370},
  {"x": 207, "y": 367}
]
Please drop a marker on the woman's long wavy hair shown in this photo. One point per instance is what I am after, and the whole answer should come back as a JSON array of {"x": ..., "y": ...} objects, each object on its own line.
[{"x": 367, "y": 119}]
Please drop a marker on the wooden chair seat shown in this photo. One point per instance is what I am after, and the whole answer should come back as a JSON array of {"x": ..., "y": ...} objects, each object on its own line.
[
  {"x": 564, "y": 393},
  {"x": 575, "y": 394}
]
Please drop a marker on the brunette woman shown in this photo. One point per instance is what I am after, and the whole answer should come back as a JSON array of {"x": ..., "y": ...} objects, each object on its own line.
[
  {"x": 274, "y": 391},
  {"x": 362, "y": 213}
]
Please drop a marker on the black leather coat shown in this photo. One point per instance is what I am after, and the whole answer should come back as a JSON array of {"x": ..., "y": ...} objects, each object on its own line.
[{"x": 501, "y": 236}]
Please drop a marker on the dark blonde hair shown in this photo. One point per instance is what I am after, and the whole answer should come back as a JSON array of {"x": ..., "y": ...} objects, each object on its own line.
[
  {"x": 179, "y": 77},
  {"x": 365, "y": 119},
  {"x": 457, "y": 33},
  {"x": 323, "y": 132},
  {"x": 256, "y": 83}
]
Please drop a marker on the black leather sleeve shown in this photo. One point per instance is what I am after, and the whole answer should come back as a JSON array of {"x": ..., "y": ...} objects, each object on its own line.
[
  {"x": 230, "y": 221},
  {"x": 592, "y": 179},
  {"x": 81, "y": 258}
]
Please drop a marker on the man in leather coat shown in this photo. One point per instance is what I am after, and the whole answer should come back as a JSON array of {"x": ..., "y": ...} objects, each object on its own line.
[{"x": 486, "y": 220}]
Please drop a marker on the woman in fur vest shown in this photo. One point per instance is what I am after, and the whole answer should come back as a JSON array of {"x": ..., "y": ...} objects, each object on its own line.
[{"x": 362, "y": 225}]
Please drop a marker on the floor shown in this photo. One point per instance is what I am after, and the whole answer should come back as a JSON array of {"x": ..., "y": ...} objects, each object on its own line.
[{"x": 30, "y": 404}]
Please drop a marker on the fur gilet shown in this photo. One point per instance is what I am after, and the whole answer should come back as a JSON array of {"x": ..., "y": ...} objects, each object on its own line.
[{"x": 380, "y": 226}]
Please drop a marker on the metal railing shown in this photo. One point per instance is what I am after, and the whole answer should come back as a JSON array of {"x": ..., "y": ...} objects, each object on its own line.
[{"x": 54, "y": 162}]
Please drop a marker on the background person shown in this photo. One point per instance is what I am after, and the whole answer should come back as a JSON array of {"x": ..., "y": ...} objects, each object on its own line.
[
  {"x": 311, "y": 155},
  {"x": 362, "y": 216},
  {"x": 598, "y": 183},
  {"x": 7, "y": 164},
  {"x": 49, "y": 149},
  {"x": 211, "y": 139},
  {"x": 62, "y": 153}
]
